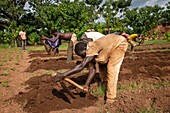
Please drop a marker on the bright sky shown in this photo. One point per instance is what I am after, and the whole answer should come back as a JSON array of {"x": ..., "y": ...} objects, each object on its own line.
[{"x": 142, "y": 3}]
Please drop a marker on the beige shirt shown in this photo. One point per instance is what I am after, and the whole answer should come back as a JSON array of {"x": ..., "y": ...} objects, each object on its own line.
[
  {"x": 23, "y": 35},
  {"x": 103, "y": 46}
]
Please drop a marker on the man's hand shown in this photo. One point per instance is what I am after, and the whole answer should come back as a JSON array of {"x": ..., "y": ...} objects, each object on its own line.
[
  {"x": 86, "y": 89},
  {"x": 58, "y": 77}
]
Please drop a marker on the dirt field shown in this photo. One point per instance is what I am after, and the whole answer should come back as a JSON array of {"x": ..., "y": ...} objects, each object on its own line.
[{"x": 26, "y": 86}]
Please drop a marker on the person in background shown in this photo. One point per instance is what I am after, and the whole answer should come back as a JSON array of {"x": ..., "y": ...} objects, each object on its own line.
[
  {"x": 23, "y": 37},
  {"x": 133, "y": 38},
  {"x": 109, "y": 52},
  {"x": 51, "y": 44},
  {"x": 58, "y": 36},
  {"x": 91, "y": 36}
]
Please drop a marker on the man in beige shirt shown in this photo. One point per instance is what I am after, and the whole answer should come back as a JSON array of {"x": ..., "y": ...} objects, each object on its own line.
[
  {"x": 108, "y": 50},
  {"x": 23, "y": 37}
]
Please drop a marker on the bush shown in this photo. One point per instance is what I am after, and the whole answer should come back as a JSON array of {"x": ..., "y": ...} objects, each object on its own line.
[
  {"x": 167, "y": 36},
  {"x": 34, "y": 38},
  {"x": 5, "y": 46}
]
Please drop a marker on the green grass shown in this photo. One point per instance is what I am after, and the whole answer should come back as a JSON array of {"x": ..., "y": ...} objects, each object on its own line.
[
  {"x": 4, "y": 46},
  {"x": 147, "y": 110},
  {"x": 155, "y": 42},
  {"x": 16, "y": 63},
  {"x": 63, "y": 46},
  {"x": 100, "y": 91},
  {"x": 4, "y": 84},
  {"x": 162, "y": 84},
  {"x": 34, "y": 48},
  {"x": 142, "y": 85},
  {"x": 130, "y": 86},
  {"x": 12, "y": 68}
]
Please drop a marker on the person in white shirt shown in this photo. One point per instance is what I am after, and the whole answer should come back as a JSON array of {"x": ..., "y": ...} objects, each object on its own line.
[
  {"x": 91, "y": 36},
  {"x": 23, "y": 37}
]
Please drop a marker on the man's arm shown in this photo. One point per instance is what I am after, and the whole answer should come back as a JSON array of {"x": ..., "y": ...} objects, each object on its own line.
[
  {"x": 92, "y": 72},
  {"x": 76, "y": 69},
  {"x": 51, "y": 40}
]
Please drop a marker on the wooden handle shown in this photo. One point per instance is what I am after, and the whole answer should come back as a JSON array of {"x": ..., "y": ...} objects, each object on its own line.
[{"x": 73, "y": 83}]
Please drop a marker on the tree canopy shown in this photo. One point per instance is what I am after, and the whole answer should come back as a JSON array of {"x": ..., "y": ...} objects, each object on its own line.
[{"x": 42, "y": 16}]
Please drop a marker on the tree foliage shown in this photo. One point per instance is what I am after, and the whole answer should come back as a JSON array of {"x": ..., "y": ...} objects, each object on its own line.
[
  {"x": 42, "y": 16},
  {"x": 141, "y": 20},
  {"x": 111, "y": 8}
]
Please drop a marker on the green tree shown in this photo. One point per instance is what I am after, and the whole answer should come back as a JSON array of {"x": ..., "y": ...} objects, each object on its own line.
[
  {"x": 111, "y": 8},
  {"x": 11, "y": 12},
  {"x": 141, "y": 20},
  {"x": 166, "y": 13},
  {"x": 63, "y": 15}
]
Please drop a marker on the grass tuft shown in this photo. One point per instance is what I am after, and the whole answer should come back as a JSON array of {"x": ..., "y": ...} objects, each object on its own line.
[
  {"x": 12, "y": 68},
  {"x": 4, "y": 84},
  {"x": 100, "y": 91},
  {"x": 147, "y": 110},
  {"x": 155, "y": 42}
]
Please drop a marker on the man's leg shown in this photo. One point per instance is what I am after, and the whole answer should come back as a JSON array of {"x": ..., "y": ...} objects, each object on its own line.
[
  {"x": 25, "y": 42},
  {"x": 132, "y": 44},
  {"x": 23, "y": 48},
  {"x": 103, "y": 73},
  {"x": 56, "y": 51},
  {"x": 74, "y": 39},
  {"x": 70, "y": 51},
  {"x": 48, "y": 48},
  {"x": 113, "y": 68}
]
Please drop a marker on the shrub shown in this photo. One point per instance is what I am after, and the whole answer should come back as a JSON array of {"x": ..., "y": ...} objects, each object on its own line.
[
  {"x": 167, "y": 36},
  {"x": 34, "y": 38}
]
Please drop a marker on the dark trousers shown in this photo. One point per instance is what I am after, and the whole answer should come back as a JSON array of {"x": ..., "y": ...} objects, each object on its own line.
[{"x": 23, "y": 44}]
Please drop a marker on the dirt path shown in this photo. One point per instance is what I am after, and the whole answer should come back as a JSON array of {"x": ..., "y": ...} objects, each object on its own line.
[{"x": 143, "y": 86}]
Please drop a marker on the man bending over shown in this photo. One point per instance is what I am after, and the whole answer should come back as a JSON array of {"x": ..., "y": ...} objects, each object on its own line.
[
  {"x": 108, "y": 50},
  {"x": 56, "y": 40}
]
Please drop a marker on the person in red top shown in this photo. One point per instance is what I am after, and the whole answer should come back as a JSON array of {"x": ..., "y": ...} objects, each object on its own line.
[{"x": 23, "y": 37}]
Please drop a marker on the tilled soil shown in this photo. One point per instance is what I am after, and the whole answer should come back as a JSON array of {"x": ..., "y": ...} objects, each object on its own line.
[{"x": 143, "y": 85}]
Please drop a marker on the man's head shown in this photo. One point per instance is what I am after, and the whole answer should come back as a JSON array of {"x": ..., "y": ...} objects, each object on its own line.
[
  {"x": 80, "y": 49},
  {"x": 55, "y": 32},
  {"x": 23, "y": 29}
]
